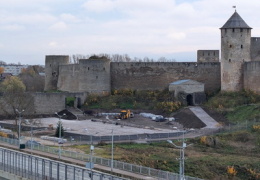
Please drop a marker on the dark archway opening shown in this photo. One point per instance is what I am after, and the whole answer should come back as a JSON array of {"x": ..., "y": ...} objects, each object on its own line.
[
  {"x": 190, "y": 100},
  {"x": 79, "y": 103}
]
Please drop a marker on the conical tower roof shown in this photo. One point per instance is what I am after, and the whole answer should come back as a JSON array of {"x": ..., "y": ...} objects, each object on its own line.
[{"x": 235, "y": 21}]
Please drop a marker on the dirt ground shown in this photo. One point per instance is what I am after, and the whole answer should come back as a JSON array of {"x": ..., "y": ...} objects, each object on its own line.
[
  {"x": 102, "y": 125},
  {"x": 185, "y": 118}
]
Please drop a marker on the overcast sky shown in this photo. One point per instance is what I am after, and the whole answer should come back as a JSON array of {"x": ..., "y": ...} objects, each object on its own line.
[{"x": 175, "y": 29}]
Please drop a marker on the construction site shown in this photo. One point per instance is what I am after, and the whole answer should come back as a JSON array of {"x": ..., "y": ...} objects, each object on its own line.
[{"x": 137, "y": 127}]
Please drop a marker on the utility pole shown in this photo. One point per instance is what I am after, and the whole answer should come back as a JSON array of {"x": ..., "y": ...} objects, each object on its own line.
[
  {"x": 112, "y": 151},
  {"x": 19, "y": 131},
  {"x": 60, "y": 141},
  {"x": 182, "y": 158}
]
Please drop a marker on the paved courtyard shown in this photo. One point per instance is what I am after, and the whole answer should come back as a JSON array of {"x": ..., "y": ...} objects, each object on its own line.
[{"x": 89, "y": 127}]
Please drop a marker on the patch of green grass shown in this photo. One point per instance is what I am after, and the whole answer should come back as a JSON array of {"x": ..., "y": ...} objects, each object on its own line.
[
  {"x": 203, "y": 161},
  {"x": 233, "y": 99},
  {"x": 242, "y": 113}
]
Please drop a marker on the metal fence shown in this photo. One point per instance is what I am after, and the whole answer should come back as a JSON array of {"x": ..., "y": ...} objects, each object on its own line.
[
  {"x": 124, "y": 138},
  {"x": 35, "y": 167},
  {"x": 147, "y": 171},
  {"x": 231, "y": 128}
]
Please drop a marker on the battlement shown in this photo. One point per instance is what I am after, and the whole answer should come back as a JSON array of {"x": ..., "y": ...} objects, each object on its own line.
[{"x": 208, "y": 56}]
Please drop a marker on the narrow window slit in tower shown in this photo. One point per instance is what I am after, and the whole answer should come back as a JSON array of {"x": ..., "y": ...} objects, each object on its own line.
[
  {"x": 229, "y": 60},
  {"x": 241, "y": 46},
  {"x": 230, "y": 46},
  {"x": 233, "y": 30}
]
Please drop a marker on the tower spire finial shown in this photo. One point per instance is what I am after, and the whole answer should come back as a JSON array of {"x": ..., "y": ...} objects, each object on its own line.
[{"x": 235, "y": 8}]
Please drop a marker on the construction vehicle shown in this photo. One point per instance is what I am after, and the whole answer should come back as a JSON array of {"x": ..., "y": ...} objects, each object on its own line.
[{"x": 125, "y": 114}]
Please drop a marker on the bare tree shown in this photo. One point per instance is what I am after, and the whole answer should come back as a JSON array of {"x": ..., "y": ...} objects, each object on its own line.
[
  {"x": 15, "y": 98},
  {"x": 118, "y": 58},
  {"x": 32, "y": 79}
]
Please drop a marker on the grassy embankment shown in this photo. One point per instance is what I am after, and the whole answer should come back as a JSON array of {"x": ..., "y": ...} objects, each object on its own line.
[
  {"x": 231, "y": 155},
  {"x": 162, "y": 101}
]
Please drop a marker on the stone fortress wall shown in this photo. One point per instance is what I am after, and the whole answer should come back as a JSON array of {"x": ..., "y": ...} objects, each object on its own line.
[
  {"x": 49, "y": 103},
  {"x": 208, "y": 56},
  {"x": 52, "y": 67},
  {"x": 158, "y": 75},
  {"x": 255, "y": 49},
  {"x": 239, "y": 68},
  {"x": 235, "y": 50},
  {"x": 252, "y": 76},
  {"x": 100, "y": 76}
]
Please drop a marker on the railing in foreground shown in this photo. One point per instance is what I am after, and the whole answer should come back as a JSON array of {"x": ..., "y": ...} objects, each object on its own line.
[
  {"x": 35, "y": 167},
  {"x": 159, "y": 174}
]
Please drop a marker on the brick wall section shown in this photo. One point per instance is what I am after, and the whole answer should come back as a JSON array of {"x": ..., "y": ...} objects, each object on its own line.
[
  {"x": 158, "y": 75},
  {"x": 252, "y": 76}
]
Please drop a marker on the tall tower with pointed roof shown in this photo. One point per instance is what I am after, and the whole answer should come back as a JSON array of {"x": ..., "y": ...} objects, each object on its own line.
[{"x": 235, "y": 50}]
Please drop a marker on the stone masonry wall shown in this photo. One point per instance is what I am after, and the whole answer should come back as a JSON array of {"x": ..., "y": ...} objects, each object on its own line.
[
  {"x": 255, "y": 49},
  {"x": 69, "y": 78},
  {"x": 235, "y": 50},
  {"x": 47, "y": 103},
  {"x": 158, "y": 75},
  {"x": 208, "y": 56},
  {"x": 252, "y": 76},
  {"x": 94, "y": 76},
  {"x": 52, "y": 64}
]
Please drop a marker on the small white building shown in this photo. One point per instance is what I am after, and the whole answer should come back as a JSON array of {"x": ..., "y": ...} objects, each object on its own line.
[
  {"x": 14, "y": 69},
  {"x": 188, "y": 91}
]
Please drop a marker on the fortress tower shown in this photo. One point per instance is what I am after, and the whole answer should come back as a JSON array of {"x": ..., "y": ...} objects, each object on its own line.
[
  {"x": 52, "y": 65},
  {"x": 95, "y": 75},
  {"x": 235, "y": 50}
]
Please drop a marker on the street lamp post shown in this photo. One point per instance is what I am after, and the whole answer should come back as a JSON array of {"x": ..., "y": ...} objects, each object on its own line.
[
  {"x": 91, "y": 164},
  {"x": 182, "y": 148},
  {"x": 20, "y": 119},
  {"x": 31, "y": 138},
  {"x": 60, "y": 141},
  {"x": 91, "y": 159},
  {"x": 112, "y": 151}
]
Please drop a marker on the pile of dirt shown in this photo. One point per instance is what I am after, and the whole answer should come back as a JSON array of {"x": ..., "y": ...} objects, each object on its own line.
[
  {"x": 65, "y": 114},
  {"x": 188, "y": 119}
]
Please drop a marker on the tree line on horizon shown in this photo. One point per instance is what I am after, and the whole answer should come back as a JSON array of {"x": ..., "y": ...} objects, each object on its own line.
[{"x": 118, "y": 58}]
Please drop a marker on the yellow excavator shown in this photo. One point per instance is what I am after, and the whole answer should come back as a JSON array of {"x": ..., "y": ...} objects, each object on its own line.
[{"x": 125, "y": 114}]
